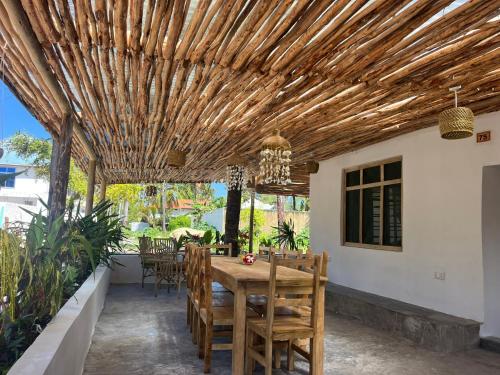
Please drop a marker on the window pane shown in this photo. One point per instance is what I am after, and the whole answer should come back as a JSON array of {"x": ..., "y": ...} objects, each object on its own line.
[
  {"x": 371, "y": 175},
  {"x": 10, "y": 183},
  {"x": 392, "y": 215},
  {"x": 371, "y": 216},
  {"x": 352, "y": 216},
  {"x": 352, "y": 178},
  {"x": 392, "y": 171}
]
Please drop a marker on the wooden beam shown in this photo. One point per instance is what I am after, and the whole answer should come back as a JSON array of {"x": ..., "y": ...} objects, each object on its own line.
[
  {"x": 250, "y": 224},
  {"x": 23, "y": 28},
  {"x": 102, "y": 191},
  {"x": 233, "y": 208},
  {"x": 59, "y": 169},
  {"x": 89, "y": 204}
]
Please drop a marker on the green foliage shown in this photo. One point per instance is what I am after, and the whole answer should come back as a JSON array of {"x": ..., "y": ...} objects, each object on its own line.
[
  {"x": 29, "y": 147},
  {"x": 259, "y": 220},
  {"x": 303, "y": 239},
  {"x": 286, "y": 235},
  {"x": 41, "y": 268},
  {"x": 154, "y": 233},
  {"x": 183, "y": 221}
]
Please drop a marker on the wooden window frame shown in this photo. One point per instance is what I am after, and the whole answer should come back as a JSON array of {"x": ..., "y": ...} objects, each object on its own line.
[{"x": 362, "y": 186}]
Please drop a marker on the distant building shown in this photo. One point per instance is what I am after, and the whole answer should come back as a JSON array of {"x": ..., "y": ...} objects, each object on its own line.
[
  {"x": 184, "y": 207},
  {"x": 21, "y": 191}
]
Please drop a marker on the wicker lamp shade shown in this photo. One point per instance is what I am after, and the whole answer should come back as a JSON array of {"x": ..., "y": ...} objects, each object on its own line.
[
  {"x": 176, "y": 158},
  {"x": 456, "y": 123},
  {"x": 151, "y": 191},
  {"x": 312, "y": 167}
]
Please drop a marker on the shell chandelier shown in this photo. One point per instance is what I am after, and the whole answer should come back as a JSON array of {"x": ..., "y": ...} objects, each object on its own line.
[
  {"x": 236, "y": 173},
  {"x": 275, "y": 158}
]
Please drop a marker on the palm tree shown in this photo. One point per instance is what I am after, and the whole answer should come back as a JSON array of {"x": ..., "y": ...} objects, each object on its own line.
[{"x": 170, "y": 200}]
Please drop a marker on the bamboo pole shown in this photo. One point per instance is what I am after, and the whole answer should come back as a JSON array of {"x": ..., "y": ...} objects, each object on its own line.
[{"x": 89, "y": 203}]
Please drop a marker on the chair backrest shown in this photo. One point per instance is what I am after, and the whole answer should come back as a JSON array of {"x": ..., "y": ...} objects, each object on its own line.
[
  {"x": 297, "y": 254},
  {"x": 167, "y": 267},
  {"x": 220, "y": 249},
  {"x": 195, "y": 271},
  {"x": 145, "y": 245},
  {"x": 280, "y": 298},
  {"x": 265, "y": 252},
  {"x": 163, "y": 245},
  {"x": 205, "y": 281}
]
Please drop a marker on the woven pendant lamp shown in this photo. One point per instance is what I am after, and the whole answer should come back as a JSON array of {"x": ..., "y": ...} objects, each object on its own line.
[
  {"x": 176, "y": 158},
  {"x": 457, "y": 122}
]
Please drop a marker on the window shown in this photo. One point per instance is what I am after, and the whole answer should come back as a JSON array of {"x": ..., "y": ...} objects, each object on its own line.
[
  {"x": 372, "y": 205},
  {"x": 10, "y": 183}
]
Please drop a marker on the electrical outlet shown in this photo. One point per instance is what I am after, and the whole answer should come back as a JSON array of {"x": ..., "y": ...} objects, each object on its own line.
[{"x": 440, "y": 275}]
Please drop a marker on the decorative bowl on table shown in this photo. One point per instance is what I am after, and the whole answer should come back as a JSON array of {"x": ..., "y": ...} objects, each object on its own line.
[{"x": 248, "y": 259}]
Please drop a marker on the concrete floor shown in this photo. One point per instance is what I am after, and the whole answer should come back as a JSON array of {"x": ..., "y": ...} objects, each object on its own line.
[{"x": 140, "y": 334}]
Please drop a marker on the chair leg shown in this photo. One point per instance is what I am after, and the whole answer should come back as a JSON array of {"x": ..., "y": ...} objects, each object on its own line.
[
  {"x": 269, "y": 355},
  {"x": 208, "y": 347},
  {"x": 290, "y": 359},
  {"x": 188, "y": 310},
  {"x": 194, "y": 324},
  {"x": 277, "y": 358},
  {"x": 202, "y": 339},
  {"x": 249, "y": 361}
]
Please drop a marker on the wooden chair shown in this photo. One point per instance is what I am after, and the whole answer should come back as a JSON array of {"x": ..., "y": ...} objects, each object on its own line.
[
  {"x": 212, "y": 314},
  {"x": 284, "y": 329},
  {"x": 221, "y": 249},
  {"x": 218, "y": 299},
  {"x": 167, "y": 269},
  {"x": 146, "y": 255},
  {"x": 163, "y": 245},
  {"x": 265, "y": 252},
  {"x": 297, "y": 254}
]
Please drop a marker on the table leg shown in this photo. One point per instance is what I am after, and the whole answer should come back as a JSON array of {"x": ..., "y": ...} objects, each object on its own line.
[
  {"x": 319, "y": 337},
  {"x": 240, "y": 305}
]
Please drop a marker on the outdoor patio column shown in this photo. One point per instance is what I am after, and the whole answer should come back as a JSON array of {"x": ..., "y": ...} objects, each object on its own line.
[
  {"x": 102, "y": 192},
  {"x": 90, "y": 187},
  {"x": 233, "y": 219},
  {"x": 250, "y": 224},
  {"x": 59, "y": 169}
]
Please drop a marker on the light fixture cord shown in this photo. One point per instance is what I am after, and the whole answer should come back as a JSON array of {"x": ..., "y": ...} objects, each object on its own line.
[{"x": 456, "y": 98}]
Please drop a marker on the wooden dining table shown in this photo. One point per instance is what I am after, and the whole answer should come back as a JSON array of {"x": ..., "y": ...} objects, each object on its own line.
[{"x": 245, "y": 280}]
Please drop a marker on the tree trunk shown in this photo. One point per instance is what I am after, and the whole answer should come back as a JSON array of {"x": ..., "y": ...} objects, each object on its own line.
[
  {"x": 233, "y": 219},
  {"x": 163, "y": 222},
  {"x": 251, "y": 223},
  {"x": 294, "y": 201},
  {"x": 59, "y": 169},
  {"x": 89, "y": 203},
  {"x": 125, "y": 213},
  {"x": 102, "y": 191},
  {"x": 280, "y": 208}
]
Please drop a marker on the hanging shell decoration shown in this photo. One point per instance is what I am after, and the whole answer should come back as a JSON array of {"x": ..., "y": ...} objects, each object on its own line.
[
  {"x": 457, "y": 122},
  {"x": 236, "y": 173},
  {"x": 176, "y": 158},
  {"x": 275, "y": 160}
]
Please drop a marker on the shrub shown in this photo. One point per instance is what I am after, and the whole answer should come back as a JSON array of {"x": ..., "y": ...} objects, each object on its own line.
[{"x": 183, "y": 221}]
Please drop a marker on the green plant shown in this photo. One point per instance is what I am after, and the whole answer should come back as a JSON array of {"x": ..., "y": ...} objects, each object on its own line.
[
  {"x": 183, "y": 221},
  {"x": 303, "y": 240},
  {"x": 286, "y": 235},
  {"x": 42, "y": 268}
]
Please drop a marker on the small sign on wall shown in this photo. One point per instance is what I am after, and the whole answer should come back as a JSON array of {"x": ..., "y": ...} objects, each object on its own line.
[{"x": 483, "y": 136}]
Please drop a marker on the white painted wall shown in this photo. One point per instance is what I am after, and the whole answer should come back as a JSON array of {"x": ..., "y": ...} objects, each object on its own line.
[
  {"x": 63, "y": 345},
  {"x": 442, "y": 189},
  {"x": 216, "y": 218},
  {"x": 24, "y": 194},
  {"x": 491, "y": 251},
  {"x": 130, "y": 272}
]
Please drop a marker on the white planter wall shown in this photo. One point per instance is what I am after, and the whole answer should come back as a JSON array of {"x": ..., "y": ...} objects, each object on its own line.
[
  {"x": 131, "y": 272},
  {"x": 442, "y": 231},
  {"x": 62, "y": 347}
]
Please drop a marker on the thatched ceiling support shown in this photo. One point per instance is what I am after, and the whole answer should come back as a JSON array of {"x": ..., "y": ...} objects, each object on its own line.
[{"x": 23, "y": 29}]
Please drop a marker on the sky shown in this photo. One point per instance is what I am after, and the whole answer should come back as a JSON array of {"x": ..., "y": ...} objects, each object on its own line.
[{"x": 14, "y": 117}]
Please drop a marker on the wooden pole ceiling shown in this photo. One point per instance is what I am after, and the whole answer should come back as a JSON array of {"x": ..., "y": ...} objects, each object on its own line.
[{"x": 216, "y": 77}]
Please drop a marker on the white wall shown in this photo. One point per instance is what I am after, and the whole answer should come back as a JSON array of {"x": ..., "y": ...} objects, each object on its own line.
[
  {"x": 63, "y": 345},
  {"x": 491, "y": 251},
  {"x": 442, "y": 188},
  {"x": 130, "y": 271},
  {"x": 27, "y": 189},
  {"x": 216, "y": 218}
]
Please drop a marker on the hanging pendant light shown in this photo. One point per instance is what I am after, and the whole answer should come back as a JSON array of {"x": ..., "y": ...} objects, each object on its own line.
[
  {"x": 151, "y": 191},
  {"x": 176, "y": 158},
  {"x": 457, "y": 122},
  {"x": 275, "y": 160},
  {"x": 236, "y": 173}
]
